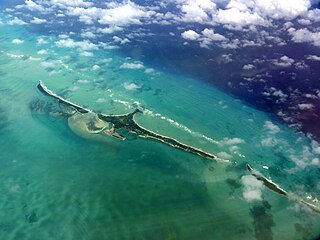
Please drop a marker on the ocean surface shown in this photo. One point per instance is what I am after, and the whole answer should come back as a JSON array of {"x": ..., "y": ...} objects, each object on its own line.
[{"x": 58, "y": 182}]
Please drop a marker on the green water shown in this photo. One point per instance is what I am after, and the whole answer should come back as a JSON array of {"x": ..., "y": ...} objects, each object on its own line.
[{"x": 55, "y": 184}]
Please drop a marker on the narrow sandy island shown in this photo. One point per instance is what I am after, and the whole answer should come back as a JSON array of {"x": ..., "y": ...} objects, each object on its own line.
[{"x": 127, "y": 122}]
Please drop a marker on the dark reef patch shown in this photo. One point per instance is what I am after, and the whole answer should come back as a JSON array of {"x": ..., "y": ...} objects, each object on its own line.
[{"x": 262, "y": 222}]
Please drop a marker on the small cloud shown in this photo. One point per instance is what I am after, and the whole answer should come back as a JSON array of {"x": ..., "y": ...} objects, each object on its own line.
[
  {"x": 48, "y": 64},
  {"x": 276, "y": 93},
  {"x": 304, "y": 35},
  {"x": 149, "y": 70},
  {"x": 109, "y": 30},
  {"x": 131, "y": 86},
  {"x": 304, "y": 21},
  {"x": 226, "y": 58},
  {"x": 88, "y": 35},
  {"x": 224, "y": 155},
  {"x": 233, "y": 18},
  {"x": 284, "y": 61},
  {"x": 83, "y": 81},
  {"x": 16, "y": 21},
  {"x": 132, "y": 66},
  {"x": 231, "y": 141},
  {"x": 210, "y": 34},
  {"x": 120, "y": 40},
  {"x": 86, "y": 54},
  {"x": 315, "y": 147},
  {"x": 32, "y": 6},
  {"x": 101, "y": 100},
  {"x": 272, "y": 128},
  {"x": 41, "y": 41},
  {"x": 248, "y": 67},
  {"x": 95, "y": 67},
  {"x": 190, "y": 35},
  {"x": 38, "y": 20},
  {"x": 81, "y": 45},
  {"x": 107, "y": 60},
  {"x": 17, "y": 41},
  {"x": 313, "y": 57},
  {"x": 73, "y": 88},
  {"x": 269, "y": 141},
  {"x": 305, "y": 106},
  {"x": 42, "y": 52},
  {"x": 301, "y": 65},
  {"x": 252, "y": 188}
]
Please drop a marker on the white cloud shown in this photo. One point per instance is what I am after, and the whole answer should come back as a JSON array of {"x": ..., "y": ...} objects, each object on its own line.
[
  {"x": 252, "y": 188},
  {"x": 131, "y": 86},
  {"x": 224, "y": 155},
  {"x": 38, "y": 20},
  {"x": 269, "y": 141},
  {"x": 120, "y": 40},
  {"x": 314, "y": 15},
  {"x": 190, "y": 35},
  {"x": 272, "y": 128},
  {"x": 211, "y": 35},
  {"x": 82, "y": 45},
  {"x": 16, "y": 21},
  {"x": 41, "y": 41},
  {"x": 305, "y": 106},
  {"x": 304, "y": 35},
  {"x": 313, "y": 57},
  {"x": 284, "y": 61},
  {"x": 95, "y": 67},
  {"x": 48, "y": 64},
  {"x": 125, "y": 14},
  {"x": 88, "y": 35},
  {"x": 86, "y": 54},
  {"x": 101, "y": 100},
  {"x": 149, "y": 70},
  {"x": 226, "y": 58},
  {"x": 17, "y": 41},
  {"x": 73, "y": 88},
  {"x": 63, "y": 36},
  {"x": 304, "y": 21},
  {"x": 281, "y": 8},
  {"x": 70, "y": 3},
  {"x": 276, "y": 93},
  {"x": 235, "y": 19},
  {"x": 198, "y": 10},
  {"x": 305, "y": 158},
  {"x": 33, "y": 6},
  {"x": 301, "y": 65},
  {"x": 248, "y": 67},
  {"x": 83, "y": 81},
  {"x": 132, "y": 66},
  {"x": 315, "y": 147},
  {"x": 117, "y": 14},
  {"x": 42, "y": 52},
  {"x": 107, "y": 60},
  {"x": 109, "y": 30},
  {"x": 231, "y": 141}
]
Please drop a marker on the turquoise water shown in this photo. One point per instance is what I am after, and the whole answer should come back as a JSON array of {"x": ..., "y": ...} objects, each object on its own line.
[{"x": 58, "y": 184}]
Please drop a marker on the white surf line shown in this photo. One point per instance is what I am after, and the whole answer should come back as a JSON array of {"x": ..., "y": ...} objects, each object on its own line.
[
  {"x": 169, "y": 120},
  {"x": 66, "y": 66},
  {"x": 49, "y": 92}
]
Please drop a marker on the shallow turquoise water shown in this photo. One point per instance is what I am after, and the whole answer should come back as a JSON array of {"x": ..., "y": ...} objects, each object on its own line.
[{"x": 58, "y": 185}]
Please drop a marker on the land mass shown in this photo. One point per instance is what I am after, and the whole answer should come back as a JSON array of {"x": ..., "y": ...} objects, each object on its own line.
[{"x": 127, "y": 122}]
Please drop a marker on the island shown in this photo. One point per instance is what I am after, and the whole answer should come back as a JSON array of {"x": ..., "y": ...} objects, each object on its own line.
[{"x": 126, "y": 122}]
